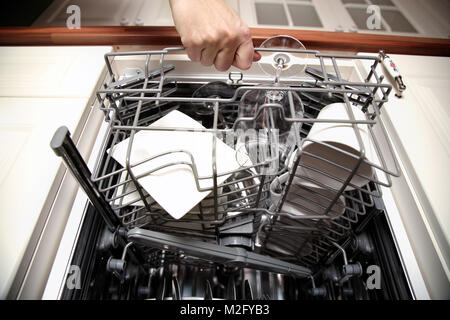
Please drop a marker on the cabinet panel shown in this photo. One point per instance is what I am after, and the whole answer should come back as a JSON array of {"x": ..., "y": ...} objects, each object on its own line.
[
  {"x": 398, "y": 17},
  {"x": 50, "y": 71},
  {"x": 158, "y": 13},
  {"x": 42, "y": 88},
  {"x": 93, "y": 13}
]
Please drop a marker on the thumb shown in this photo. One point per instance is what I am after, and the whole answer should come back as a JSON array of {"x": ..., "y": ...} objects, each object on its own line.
[{"x": 256, "y": 56}]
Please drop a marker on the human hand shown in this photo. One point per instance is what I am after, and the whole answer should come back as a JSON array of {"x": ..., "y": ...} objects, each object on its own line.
[{"x": 213, "y": 34}]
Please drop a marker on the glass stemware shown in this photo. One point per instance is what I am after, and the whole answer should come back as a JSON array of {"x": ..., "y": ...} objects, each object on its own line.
[
  {"x": 211, "y": 90},
  {"x": 269, "y": 134},
  {"x": 287, "y": 56}
]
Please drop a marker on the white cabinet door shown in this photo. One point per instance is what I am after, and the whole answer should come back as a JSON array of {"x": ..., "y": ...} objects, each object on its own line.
[
  {"x": 430, "y": 17},
  {"x": 398, "y": 17},
  {"x": 158, "y": 12},
  {"x": 422, "y": 122},
  {"x": 425, "y": 18},
  {"x": 418, "y": 125},
  {"x": 421, "y": 18},
  {"x": 41, "y": 88},
  {"x": 288, "y": 14},
  {"x": 28, "y": 168},
  {"x": 155, "y": 13},
  {"x": 93, "y": 13}
]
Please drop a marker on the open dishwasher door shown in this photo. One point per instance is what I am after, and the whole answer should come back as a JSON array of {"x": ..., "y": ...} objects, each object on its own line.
[{"x": 243, "y": 240}]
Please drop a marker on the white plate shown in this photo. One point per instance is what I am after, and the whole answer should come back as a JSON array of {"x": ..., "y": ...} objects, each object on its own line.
[
  {"x": 344, "y": 140},
  {"x": 132, "y": 197},
  {"x": 307, "y": 200},
  {"x": 174, "y": 187}
]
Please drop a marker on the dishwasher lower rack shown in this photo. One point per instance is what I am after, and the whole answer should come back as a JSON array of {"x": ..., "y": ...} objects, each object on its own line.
[{"x": 242, "y": 212}]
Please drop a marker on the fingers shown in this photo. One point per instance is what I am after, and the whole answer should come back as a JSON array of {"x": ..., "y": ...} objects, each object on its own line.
[
  {"x": 244, "y": 55},
  {"x": 256, "y": 56},
  {"x": 208, "y": 55},
  {"x": 194, "y": 53},
  {"x": 224, "y": 59},
  {"x": 206, "y": 48}
]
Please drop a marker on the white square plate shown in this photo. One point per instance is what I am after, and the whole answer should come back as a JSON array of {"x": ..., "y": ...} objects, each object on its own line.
[{"x": 173, "y": 186}]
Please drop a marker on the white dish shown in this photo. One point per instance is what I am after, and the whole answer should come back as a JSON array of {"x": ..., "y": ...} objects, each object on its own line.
[
  {"x": 132, "y": 197},
  {"x": 306, "y": 198},
  {"x": 345, "y": 149},
  {"x": 302, "y": 200},
  {"x": 174, "y": 186}
]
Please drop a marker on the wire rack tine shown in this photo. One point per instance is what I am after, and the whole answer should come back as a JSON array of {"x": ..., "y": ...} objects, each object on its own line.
[{"x": 130, "y": 106}]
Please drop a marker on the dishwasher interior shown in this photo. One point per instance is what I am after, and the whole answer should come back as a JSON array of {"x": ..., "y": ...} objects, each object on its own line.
[{"x": 262, "y": 232}]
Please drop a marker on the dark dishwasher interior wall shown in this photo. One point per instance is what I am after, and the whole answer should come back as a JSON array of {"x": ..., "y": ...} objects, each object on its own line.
[{"x": 97, "y": 283}]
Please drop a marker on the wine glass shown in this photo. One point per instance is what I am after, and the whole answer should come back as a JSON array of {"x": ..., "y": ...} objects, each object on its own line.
[
  {"x": 287, "y": 56},
  {"x": 270, "y": 137},
  {"x": 205, "y": 110}
]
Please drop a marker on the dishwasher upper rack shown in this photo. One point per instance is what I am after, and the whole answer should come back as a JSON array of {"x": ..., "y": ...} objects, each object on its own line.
[
  {"x": 135, "y": 208},
  {"x": 154, "y": 90}
]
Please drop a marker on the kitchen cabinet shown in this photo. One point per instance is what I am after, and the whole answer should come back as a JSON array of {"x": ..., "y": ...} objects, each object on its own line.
[
  {"x": 419, "y": 125},
  {"x": 114, "y": 13},
  {"x": 419, "y": 18},
  {"x": 40, "y": 88},
  {"x": 399, "y": 17},
  {"x": 158, "y": 13},
  {"x": 93, "y": 13}
]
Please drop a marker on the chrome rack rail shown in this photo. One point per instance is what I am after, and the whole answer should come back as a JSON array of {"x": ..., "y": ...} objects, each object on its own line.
[{"x": 132, "y": 102}]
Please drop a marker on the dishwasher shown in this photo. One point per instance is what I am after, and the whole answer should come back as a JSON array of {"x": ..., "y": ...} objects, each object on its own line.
[{"x": 254, "y": 236}]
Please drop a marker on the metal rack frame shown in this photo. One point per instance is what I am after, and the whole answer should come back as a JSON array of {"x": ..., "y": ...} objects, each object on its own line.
[{"x": 153, "y": 93}]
